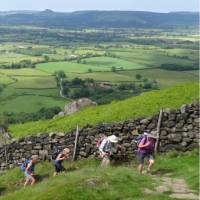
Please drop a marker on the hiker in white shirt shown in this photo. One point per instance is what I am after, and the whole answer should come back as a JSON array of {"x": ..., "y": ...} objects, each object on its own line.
[{"x": 107, "y": 148}]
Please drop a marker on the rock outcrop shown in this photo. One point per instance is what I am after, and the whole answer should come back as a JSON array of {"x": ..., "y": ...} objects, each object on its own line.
[{"x": 77, "y": 105}]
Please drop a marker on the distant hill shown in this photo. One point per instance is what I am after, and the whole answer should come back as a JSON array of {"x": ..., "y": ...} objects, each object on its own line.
[{"x": 99, "y": 19}]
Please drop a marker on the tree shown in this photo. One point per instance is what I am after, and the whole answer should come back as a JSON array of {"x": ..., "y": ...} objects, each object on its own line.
[
  {"x": 113, "y": 69},
  {"x": 78, "y": 60},
  {"x": 145, "y": 80},
  {"x": 89, "y": 80},
  {"x": 77, "y": 81},
  {"x": 90, "y": 70},
  {"x": 66, "y": 91},
  {"x": 4, "y": 136},
  {"x": 59, "y": 75},
  {"x": 1, "y": 87},
  {"x": 46, "y": 58},
  {"x": 138, "y": 76},
  {"x": 79, "y": 93},
  {"x": 147, "y": 85}
]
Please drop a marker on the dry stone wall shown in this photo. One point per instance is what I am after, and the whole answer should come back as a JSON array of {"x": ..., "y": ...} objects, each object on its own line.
[{"x": 179, "y": 131}]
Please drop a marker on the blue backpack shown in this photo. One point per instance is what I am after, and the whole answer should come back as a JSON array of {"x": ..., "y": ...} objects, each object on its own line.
[
  {"x": 150, "y": 147},
  {"x": 140, "y": 138},
  {"x": 24, "y": 165}
]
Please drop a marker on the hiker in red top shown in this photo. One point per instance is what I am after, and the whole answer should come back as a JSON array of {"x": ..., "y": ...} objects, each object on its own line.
[{"x": 146, "y": 150}]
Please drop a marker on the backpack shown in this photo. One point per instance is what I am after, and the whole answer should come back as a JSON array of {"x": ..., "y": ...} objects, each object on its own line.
[
  {"x": 55, "y": 154},
  {"x": 140, "y": 138},
  {"x": 150, "y": 148},
  {"x": 100, "y": 141},
  {"x": 24, "y": 165},
  {"x": 107, "y": 147}
]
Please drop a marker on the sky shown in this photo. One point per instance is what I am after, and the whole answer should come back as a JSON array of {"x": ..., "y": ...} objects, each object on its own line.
[{"x": 73, "y": 5}]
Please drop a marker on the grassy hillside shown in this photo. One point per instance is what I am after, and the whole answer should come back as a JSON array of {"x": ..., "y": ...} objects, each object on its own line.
[
  {"x": 144, "y": 105},
  {"x": 85, "y": 180}
]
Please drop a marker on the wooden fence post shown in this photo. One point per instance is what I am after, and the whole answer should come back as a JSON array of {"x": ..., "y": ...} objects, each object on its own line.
[
  {"x": 158, "y": 131},
  {"x": 75, "y": 144}
]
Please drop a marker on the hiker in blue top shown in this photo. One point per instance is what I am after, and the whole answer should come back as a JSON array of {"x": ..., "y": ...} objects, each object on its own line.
[
  {"x": 28, "y": 167},
  {"x": 146, "y": 150}
]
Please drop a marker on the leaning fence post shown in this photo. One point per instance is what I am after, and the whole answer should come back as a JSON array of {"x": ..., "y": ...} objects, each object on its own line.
[
  {"x": 158, "y": 131},
  {"x": 75, "y": 143}
]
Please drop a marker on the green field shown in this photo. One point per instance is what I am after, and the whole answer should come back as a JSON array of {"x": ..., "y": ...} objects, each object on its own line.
[
  {"x": 148, "y": 57},
  {"x": 9, "y": 58},
  {"x": 68, "y": 67},
  {"x": 109, "y": 62},
  {"x": 143, "y": 105},
  {"x": 5, "y": 79},
  {"x": 85, "y": 180},
  {"x": 23, "y": 72},
  {"x": 165, "y": 78},
  {"x": 29, "y": 103},
  {"x": 28, "y": 90}
]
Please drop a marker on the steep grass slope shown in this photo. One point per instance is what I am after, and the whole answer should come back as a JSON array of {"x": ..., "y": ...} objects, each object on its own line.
[
  {"x": 85, "y": 180},
  {"x": 144, "y": 105}
]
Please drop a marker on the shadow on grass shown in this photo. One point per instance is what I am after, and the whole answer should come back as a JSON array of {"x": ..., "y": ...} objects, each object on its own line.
[
  {"x": 162, "y": 171},
  {"x": 42, "y": 177},
  {"x": 71, "y": 169},
  {"x": 2, "y": 190}
]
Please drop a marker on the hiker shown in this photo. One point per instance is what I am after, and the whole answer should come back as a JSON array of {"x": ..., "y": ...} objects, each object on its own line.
[
  {"x": 102, "y": 137},
  {"x": 107, "y": 148},
  {"x": 28, "y": 167},
  {"x": 58, "y": 158},
  {"x": 146, "y": 147}
]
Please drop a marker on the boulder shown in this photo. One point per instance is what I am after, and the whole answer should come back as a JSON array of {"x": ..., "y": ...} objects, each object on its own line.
[{"x": 75, "y": 106}]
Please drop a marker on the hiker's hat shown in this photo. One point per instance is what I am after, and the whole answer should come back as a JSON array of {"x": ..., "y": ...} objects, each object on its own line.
[
  {"x": 145, "y": 133},
  {"x": 34, "y": 157},
  {"x": 153, "y": 134},
  {"x": 113, "y": 139},
  {"x": 66, "y": 150}
]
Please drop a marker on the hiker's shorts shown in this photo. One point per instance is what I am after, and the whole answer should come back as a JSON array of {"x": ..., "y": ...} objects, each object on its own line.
[
  {"x": 58, "y": 167},
  {"x": 142, "y": 156},
  {"x": 28, "y": 176}
]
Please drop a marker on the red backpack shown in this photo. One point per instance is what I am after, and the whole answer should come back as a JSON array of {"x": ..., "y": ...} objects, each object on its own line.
[{"x": 100, "y": 141}]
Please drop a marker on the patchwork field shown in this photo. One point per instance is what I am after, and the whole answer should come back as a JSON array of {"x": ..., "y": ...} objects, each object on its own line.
[
  {"x": 28, "y": 90},
  {"x": 163, "y": 77},
  {"x": 149, "y": 57},
  {"x": 68, "y": 67},
  {"x": 110, "y": 62},
  {"x": 115, "y": 62}
]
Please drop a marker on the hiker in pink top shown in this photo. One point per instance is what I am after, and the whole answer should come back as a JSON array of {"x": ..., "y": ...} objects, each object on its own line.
[{"x": 146, "y": 150}]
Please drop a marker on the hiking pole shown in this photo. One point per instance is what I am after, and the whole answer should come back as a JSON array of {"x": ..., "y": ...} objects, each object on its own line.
[{"x": 75, "y": 143}]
